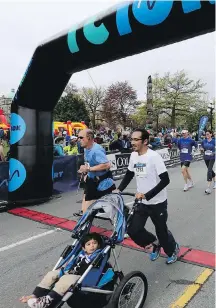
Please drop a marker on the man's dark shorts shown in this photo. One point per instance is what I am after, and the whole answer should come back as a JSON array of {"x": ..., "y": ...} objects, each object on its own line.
[
  {"x": 91, "y": 192},
  {"x": 185, "y": 163}
]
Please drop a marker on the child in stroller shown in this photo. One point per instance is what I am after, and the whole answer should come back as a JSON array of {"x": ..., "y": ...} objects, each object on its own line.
[
  {"x": 43, "y": 296},
  {"x": 89, "y": 278}
]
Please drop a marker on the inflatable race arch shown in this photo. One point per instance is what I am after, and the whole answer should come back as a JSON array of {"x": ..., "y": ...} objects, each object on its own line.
[{"x": 127, "y": 29}]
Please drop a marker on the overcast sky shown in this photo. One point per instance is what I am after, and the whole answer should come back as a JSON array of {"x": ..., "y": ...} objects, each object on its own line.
[{"x": 23, "y": 25}]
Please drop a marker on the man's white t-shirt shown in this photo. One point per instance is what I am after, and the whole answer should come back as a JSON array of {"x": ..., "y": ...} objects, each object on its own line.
[{"x": 147, "y": 168}]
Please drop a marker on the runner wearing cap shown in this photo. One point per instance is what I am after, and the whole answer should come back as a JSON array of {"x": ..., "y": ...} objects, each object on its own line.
[{"x": 185, "y": 145}]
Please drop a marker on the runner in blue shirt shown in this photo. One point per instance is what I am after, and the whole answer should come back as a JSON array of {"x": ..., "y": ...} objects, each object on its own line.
[
  {"x": 185, "y": 145},
  {"x": 99, "y": 181},
  {"x": 208, "y": 147}
]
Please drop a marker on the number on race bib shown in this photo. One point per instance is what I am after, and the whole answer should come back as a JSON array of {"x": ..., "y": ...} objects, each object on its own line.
[
  {"x": 184, "y": 151},
  {"x": 140, "y": 170},
  {"x": 208, "y": 152}
]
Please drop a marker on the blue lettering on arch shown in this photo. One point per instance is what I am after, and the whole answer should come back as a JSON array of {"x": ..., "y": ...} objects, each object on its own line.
[
  {"x": 95, "y": 35},
  {"x": 122, "y": 20},
  {"x": 18, "y": 128},
  {"x": 151, "y": 13},
  {"x": 190, "y": 6},
  {"x": 72, "y": 41}
]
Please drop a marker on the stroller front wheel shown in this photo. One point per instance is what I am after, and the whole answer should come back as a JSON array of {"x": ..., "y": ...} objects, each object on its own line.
[{"x": 131, "y": 291}]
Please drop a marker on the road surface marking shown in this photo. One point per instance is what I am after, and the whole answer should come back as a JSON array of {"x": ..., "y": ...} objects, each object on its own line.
[
  {"x": 27, "y": 240},
  {"x": 192, "y": 289}
]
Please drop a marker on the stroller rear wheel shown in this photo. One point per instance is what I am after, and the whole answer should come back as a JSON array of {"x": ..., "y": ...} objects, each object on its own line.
[{"x": 131, "y": 291}]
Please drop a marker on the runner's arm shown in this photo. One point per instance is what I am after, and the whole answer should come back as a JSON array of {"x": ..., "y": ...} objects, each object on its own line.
[
  {"x": 164, "y": 181},
  {"x": 126, "y": 180},
  {"x": 100, "y": 167}
]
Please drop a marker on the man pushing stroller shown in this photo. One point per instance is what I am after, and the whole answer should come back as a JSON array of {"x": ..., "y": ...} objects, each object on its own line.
[{"x": 45, "y": 294}]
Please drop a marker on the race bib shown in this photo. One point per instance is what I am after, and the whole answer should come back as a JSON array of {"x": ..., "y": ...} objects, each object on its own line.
[
  {"x": 140, "y": 170},
  {"x": 184, "y": 151},
  {"x": 208, "y": 152}
]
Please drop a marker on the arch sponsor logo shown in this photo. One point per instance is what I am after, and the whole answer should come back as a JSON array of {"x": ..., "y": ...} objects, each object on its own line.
[
  {"x": 18, "y": 128},
  {"x": 147, "y": 13},
  {"x": 17, "y": 174}
]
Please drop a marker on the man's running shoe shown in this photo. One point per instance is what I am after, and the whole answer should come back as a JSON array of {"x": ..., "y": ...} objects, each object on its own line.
[
  {"x": 174, "y": 256},
  {"x": 155, "y": 253},
  {"x": 78, "y": 214},
  {"x": 208, "y": 191},
  {"x": 41, "y": 302},
  {"x": 186, "y": 187},
  {"x": 191, "y": 184}
]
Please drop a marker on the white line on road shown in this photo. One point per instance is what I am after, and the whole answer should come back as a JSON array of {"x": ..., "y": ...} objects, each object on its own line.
[{"x": 28, "y": 240}]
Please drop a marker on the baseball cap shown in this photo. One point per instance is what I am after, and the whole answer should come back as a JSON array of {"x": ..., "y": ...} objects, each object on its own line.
[
  {"x": 184, "y": 131},
  {"x": 73, "y": 137}
]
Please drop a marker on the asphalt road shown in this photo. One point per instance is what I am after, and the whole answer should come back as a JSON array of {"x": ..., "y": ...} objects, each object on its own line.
[{"x": 29, "y": 249}]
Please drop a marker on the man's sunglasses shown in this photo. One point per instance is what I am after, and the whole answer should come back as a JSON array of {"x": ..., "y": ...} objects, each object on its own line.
[{"x": 80, "y": 137}]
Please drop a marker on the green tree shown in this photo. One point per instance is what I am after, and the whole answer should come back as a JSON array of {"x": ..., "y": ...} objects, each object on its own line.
[
  {"x": 139, "y": 117},
  {"x": 71, "y": 108},
  {"x": 191, "y": 119},
  {"x": 175, "y": 94}
]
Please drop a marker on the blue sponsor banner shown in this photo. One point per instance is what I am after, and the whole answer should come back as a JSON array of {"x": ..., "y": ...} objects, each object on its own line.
[
  {"x": 64, "y": 174},
  {"x": 202, "y": 125}
]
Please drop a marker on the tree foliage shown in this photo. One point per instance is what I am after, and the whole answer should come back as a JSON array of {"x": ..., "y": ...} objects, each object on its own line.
[
  {"x": 120, "y": 103},
  {"x": 71, "y": 108},
  {"x": 175, "y": 94},
  {"x": 71, "y": 89},
  {"x": 140, "y": 115},
  {"x": 93, "y": 98}
]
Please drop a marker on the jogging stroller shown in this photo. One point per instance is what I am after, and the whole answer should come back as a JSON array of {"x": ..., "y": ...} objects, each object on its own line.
[{"x": 102, "y": 285}]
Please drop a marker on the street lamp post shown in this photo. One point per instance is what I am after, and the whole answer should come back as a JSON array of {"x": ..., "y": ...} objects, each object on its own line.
[{"x": 211, "y": 108}]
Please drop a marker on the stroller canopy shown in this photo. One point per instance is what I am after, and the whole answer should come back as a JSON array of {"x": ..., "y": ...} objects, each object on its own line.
[{"x": 113, "y": 206}]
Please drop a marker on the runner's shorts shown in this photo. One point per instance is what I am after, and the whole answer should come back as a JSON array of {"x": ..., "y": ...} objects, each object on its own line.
[
  {"x": 91, "y": 192},
  {"x": 185, "y": 163}
]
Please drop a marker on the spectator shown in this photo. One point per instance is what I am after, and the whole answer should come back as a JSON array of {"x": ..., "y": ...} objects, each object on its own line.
[
  {"x": 157, "y": 140},
  {"x": 98, "y": 139},
  {"x": 126, "y": 145},
  {"x": 153, "y": 144},
  {"x": 117, "y": 144},
  {"x": 58, "y": 147},
  {"x": 72, "y": 148},
  {"x": 109, "y": 136},
  {"x": 1, "y": 133},
  {"x": 168, "y": 140}
]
